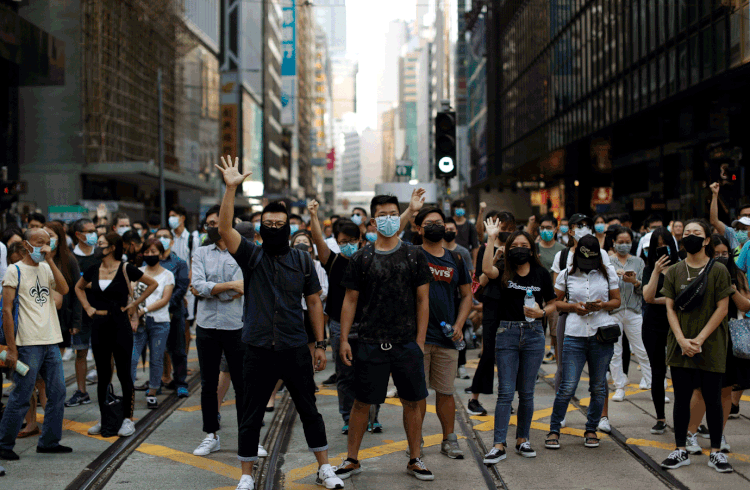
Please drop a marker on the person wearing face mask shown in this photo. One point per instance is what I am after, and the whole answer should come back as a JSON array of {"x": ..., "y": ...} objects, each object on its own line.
[
  {"x": 121, "y": 223},
  {"x": 335, "y": 264},
  {"x": 359, "y": 218},
  {"x": 737, "y": 234},
  {"x": 86, "y": 237},
  {"x": 132, "y": 245},
  {"x": 302, "y": 241},
  {"x": 112, "y": 332},
  {"x": 451, "y": 281},
  {"x": 449, "y": 242},
  {"x": 587, "y": 291},
  {"x": 519, "y": 343},
  {"x": 697, "y": 342},
  {"x": 466, "y": 234},
  {"x": 176, "y": 346},
  {"x": 153, "y": 329},
  {"x": 653, "y": 222},
  {"x": 547, "y": 248},
  {"x": 275, "y": 339},
  {"x": 563, "y": 236},
  {"x": 600, "y": 229},
  {"x": 296, "y": 223},
  {"x": 628, "y": 315},
  {"x": 389, "y": 283},
  {"x": 34, "y": 280},
  {"x": 183, "y": 245}
]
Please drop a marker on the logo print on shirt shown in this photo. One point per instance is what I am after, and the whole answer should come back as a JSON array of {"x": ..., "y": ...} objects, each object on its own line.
[
  {"x": 39, "y": 293},
  {"x": 441, "y": 273}
]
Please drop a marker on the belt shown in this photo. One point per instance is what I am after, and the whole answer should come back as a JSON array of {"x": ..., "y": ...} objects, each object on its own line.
[{"x": 520, "y": 324}]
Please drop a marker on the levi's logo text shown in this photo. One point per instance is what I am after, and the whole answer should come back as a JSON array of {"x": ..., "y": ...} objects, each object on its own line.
[{"x": 441, "y": 273}]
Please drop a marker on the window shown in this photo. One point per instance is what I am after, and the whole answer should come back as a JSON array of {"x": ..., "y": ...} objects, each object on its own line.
[
  {"x": 682, "y": 60},
  {"x": 662, "y": 76},
  {"x": 672, "y": 86},
  {"x": 653, "y": 24},
  {"x": 720, "y": 44},
  {"x": 694, "y": 60},
  {"x": 708, "y": 52}
]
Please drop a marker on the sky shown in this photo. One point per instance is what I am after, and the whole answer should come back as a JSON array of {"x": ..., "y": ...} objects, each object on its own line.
[{"x": 366, "y": 26}]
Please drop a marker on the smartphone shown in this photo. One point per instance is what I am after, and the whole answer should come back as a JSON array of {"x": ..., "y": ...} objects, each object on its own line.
[
  {"x": 629, "y": 273},
  {"x": 590, "y": 305},
  {"x": 661, "y": 251}
]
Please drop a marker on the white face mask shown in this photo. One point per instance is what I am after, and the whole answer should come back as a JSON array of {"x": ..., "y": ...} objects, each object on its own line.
[{"x": 582, "y": 232}]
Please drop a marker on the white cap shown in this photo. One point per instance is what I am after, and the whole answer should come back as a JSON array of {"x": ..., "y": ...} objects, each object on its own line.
[
  {"x": 647, "y": 239},
  {"x": 744, "y": 220}
]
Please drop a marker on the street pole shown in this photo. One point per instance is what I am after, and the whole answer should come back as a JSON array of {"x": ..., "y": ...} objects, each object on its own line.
[{"x": 162, "y": 189}]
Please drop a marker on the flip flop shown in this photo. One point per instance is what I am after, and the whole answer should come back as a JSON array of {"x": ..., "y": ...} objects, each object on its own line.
[{"x": 35, "y": 432}]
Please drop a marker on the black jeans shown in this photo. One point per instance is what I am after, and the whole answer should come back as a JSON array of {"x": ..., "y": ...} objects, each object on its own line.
[
  {"x": 685, "y": 380},
  {"x": 211, "y": 343},
  {"x": 176, "y": 347},
  {"x": 655, "y": 342},
  {"x": 262, "y": 368},
  {"x": 112, "y": 335},
  {"x": 346, "y": 383},
  {"x": 484, "y": 376}
]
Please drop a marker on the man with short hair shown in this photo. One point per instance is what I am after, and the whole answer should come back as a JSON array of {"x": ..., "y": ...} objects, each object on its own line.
[
  {"x": 154, "y": 223},
  {"x": 132, "y": 245},
  {"x": 652, "y": 222},
  {"x": 359, "y": 218},
  {"x": 33, "y": 280},
  {"x": 563, "y": 236},
  {"x": 36, "y": 221},
  {"x": 466, "y": 234},
  {"x": 296, "y": 223},
  {"x": 390, "y": 284},
  {"x": 277, "y": 278},
  {"x": 121, "y": 223},
  {"x": 548, "y": 248},
  {"x": 451, "y": 280},
  {"x": 737, "y": 234}
]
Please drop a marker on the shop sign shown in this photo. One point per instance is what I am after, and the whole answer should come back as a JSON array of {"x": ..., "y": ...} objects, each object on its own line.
[{"x": 601, "y": 195}]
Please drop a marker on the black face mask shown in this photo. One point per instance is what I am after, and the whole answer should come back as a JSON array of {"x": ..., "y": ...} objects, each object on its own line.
[
  {"x": 723, "y": 260},
  {"x": 151, "y": 260},
  {"x": 275, "y": 240},
  {"x": 450, "y": 236},
  {"x": 99, "y": 252},
  {"x": 434, "y": 233},
  {"x": 693, "y": 244},
  {"x": 503, "y": 236},
  {"x": 519, "y": 255},
  {"x": 213, "y": 234},
  {"x": 303, "y": 246}
]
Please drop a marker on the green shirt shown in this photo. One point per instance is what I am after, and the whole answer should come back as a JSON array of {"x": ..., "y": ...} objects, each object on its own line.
[
  {"x": 713, "y": 358},
  {"x": 547, "y": 255}
]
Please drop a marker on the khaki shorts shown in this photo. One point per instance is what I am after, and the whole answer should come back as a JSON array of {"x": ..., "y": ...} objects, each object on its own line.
[{"x": 440, "y": 365}]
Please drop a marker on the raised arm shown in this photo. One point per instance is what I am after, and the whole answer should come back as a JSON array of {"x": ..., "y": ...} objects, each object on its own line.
[
  {"x": 714, "y": 211},
  {"x": 61, "y": 285},
  {"x": 480, "y": 220},
  {"x": 650, "y": 289},
  {"x": 232, "y": 179},
  {"x": 488, "y": 261},
  {"x": 415, "y": 204},
  {"x": 317, "y": 234}
]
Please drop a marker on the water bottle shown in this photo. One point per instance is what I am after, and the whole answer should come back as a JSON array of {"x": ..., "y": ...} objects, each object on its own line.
[
  {"x": 529, "y": 302},
  {"x": 448, "y": 331},
  {"x": 21, "y": 368}
]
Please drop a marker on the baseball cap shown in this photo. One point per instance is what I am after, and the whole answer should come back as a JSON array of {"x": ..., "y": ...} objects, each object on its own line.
[
  {"x": 744, "y": 220},
  {"x": 588, "y": 252},
  {"x": 580, "y": 218}
]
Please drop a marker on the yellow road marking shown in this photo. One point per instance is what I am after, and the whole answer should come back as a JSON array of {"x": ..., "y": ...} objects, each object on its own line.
[
  {"x": 194, "y": 461},
  {"x": 195, "y": 408},
  {"x": 6, "y": 385}
]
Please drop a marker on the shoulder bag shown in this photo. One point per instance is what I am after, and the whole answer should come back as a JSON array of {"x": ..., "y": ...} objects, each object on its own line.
[
  {"x": 3, "y": 340},
  {"x": 739, "y": 329},
  {"x": 112, "y": 414},
  {"x": 692, "y": 296}
]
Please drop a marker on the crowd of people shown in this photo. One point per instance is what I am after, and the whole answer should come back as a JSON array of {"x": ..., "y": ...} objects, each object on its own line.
[{"x": 398, "y": 295}]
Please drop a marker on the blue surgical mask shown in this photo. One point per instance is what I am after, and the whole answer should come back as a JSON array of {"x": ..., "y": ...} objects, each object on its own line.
[
  {"x": 293, "y": 229},
  {"x": 460, "y": 212},
  {"x": 547, "y": 235},
  {"x": 36, "y": 255},
  {"x": 741, "y": 236},
  {"x": 173, "y": 222},
  {"x": 371, "y": 236},
  {"x": 258, "y": 243},
  {"x": 599, "y": 228},
  {"x": 153, "y": 230},
  {"x": 388, "y": 225},
  {"x": 122, "y": 230},
  {"x": 53, "y": 243},
  {"x": 357, "y": 219},
  {"x": 645, "y": 252},
  {"x": 257, "y": 227},
  {"x": 165, "y": 243},
  {"x": 349, "y": 249},
  {"x": 91, "y": 239},
  {"x": 564, "y": 229}
]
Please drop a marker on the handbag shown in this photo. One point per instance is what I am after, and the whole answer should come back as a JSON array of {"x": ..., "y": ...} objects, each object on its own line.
[
  {"x": 3, "y": 340},
  {"x": 740, "y": 332},
  {"x": 692, "y": 296},
  {"x": 112, "y": 414},
  {"x": 133, "y": 317}
]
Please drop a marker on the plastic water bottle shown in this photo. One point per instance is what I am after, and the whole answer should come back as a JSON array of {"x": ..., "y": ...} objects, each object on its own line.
[
  {"x": 448, "y": 331},
  {"x": 21, "y": 368},
  {"x": 529, "y": 302}
]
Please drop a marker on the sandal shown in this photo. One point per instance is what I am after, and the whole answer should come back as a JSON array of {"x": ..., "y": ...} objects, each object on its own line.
[
  {"x": 590, "y": 441},
  {"x": 33, "y": 432},
  {"x": 552, "y": 443}
]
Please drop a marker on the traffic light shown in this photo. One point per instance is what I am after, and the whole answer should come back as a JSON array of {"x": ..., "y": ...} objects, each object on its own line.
[{"x": 445, "y": 145}]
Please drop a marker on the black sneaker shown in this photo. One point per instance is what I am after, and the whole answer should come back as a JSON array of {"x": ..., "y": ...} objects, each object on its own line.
[
  {"x": 59, "y": 449},
  {"x": 703, "y": 432},
  {"x": 171, "y": 385},
  {"x": 331, "y": 380},
  {"x": 8, "y": 455},
  {"x": 718, "y": 461},
  {"x": 468, "y": 390},
  {"x": 659, "y": 428},
  {"x": 494, "y": 456},
  {"x": 152, "y": 402},
  {"x": 141, "y": 387},
  {"x": 476, "y": 408},
  {"x": 524, "y": 449},
  {"x": 734, "y": 413},
  {"x": 677, "y": 458},
  {"x": 78, "y": 398}
]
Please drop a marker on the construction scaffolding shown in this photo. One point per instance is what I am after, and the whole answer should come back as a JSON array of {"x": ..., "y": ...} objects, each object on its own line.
[{"x": 124, "y": 44}]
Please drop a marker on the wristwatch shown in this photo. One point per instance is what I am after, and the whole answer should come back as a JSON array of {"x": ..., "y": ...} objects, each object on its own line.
[
  {"x": 145, "y": 309},
  {"x": 320, "y": 344},
  {"x": 544, "y": 313}
]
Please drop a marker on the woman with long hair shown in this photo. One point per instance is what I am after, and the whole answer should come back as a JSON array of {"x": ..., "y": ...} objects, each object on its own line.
[
  {"x": 697, "y": 341},
  {"x": 519, "y": 343},
  {"x": 600, "y": 230}
]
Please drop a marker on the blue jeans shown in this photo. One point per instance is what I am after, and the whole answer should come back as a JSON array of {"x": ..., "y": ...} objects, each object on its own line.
[
  {"x": 44, "y": 361},
  {"x": 155, "y": 334},
  {"x": 577, "y": 351},
  {"x": 519, "y": 351}
]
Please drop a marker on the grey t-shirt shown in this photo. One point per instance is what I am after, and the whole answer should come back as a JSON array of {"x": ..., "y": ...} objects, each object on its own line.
[
  {"x": 547, "y": 255},
  {"x": 466, "y": 255}
]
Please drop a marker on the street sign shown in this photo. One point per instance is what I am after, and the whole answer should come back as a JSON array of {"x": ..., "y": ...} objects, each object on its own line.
[
  {"x": 601, "y": 195},
  {"x": 403, "y": 168}
]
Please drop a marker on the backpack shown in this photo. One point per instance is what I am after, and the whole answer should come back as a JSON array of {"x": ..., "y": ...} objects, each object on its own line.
[{"x": 563, "y": 264}]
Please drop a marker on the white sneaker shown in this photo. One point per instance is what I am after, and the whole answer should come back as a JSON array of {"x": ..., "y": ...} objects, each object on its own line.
[
  {"x": 95, "y": 429},
  {"x": 619, "y": 395},
  {"x": 604, "y": 425},
  {"x": 210, "y": 444},
  {"x": 725, "y": 447},
  {"x": 246, "y": 483},
  {"x": 692, "y": 445},
  {"x": 564, "y": 420},
  {"x": 127, "y": 428},
  {"x": 327, "y": 477},
  {"x": 68, "y": 356},
  {"x": 90, "y": 356},
  {"x": 92, "y": 376},
  {"x": 644, "y": 385},
  {"x": 462, "y": 374},
  {"x": 666, "y": 399},
  {"x": 262, "y": 453},
  {"x": 393, "y": 393}
]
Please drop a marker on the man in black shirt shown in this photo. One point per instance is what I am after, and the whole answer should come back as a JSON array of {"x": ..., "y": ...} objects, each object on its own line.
[
  {"x": 277, "y": 278},
  {"x": 466, "y": 233},
  {"x": 389, "y": 284}
]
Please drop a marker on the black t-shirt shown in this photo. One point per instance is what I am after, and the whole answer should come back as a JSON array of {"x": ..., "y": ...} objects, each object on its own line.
[
  {"x": 492, "y": 289},
  {"x": 388, "y": 292},
  {"x": 466, "y": 236},
  {"x": 654, "y": 316},
  {"x": 115, "y": 296},
  {"x": 336, "y": 270},
  {"x": 511, "y": 300},
  {"x": 448, "y": 278}
]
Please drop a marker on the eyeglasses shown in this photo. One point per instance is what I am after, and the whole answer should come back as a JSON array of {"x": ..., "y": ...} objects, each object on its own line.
[
  {"x": 392, "y": 215},
  {"x": 274, "y": 224},
  {"x": 433, "y": 223},
  {"x": 347, "y": 242}
]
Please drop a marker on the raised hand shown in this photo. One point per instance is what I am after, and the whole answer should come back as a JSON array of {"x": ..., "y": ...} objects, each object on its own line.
[
  {"x": 714, "y": 188},
  {"x": 417, "y": 199},
  {"x": 312, "y": 206},
  {"x": 482, "y": 206},
  {"x": 661, "y": 264},
  {"x": 231, "y": 171},
  {"x": 492, "y": 226}
]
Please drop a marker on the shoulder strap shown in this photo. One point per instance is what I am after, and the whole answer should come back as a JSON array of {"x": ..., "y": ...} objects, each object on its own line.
[
  {"x": 18, "y": 285},
  {"x": 456, "y": 257},
  {"x": 367, "y": 254},
  {"x": 127, "y": 279},
  {"x": 564, "y": 258},
  {"x": 190, "y": 245}
]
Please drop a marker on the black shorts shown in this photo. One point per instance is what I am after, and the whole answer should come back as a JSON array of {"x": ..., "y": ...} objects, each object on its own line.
[{"x": 373, "y": 366}]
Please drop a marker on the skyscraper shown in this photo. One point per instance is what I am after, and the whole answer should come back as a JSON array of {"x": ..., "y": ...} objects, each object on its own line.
[{"x": 331, "y": 16}]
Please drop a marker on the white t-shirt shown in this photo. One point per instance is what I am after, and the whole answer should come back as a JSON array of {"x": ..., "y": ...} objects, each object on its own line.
[
  {"x": 164, "y": 279},
  {"x": 556, "y": 263},
  {"x": 38, "y": 323},
  {"x": 581, "y": 288}
]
